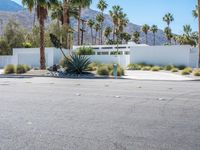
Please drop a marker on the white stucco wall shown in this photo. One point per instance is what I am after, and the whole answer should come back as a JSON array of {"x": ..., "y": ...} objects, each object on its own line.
[{"x": 163, "y": 55}]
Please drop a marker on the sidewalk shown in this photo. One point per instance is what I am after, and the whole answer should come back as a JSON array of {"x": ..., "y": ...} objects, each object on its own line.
[{"x": 149, "y": 75}]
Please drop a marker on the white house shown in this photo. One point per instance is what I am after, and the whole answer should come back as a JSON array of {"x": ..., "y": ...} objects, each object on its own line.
[{"x": 128, "y": 53}]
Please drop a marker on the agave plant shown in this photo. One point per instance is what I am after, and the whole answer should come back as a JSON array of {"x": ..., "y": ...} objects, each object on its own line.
[{"x": 77, "y": 64}]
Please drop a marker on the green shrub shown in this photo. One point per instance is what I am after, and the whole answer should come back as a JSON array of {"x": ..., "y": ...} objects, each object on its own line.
[
  {"x": 85, "y": 51},
  {"x": 174, "y": 70},
  {"x": 103, "y": 70},
  {"x": 27, "y": 45},
  {"x": 9, "y": 69},
  {"x": 92, "y": 67},
  {"x": 181, "y": 67},
  {"x": 134, "y": 67},
  {"x": 168, "y": 67},
  {"x": 186, "y": 71},
  {"x": 27, "y": 68},
  {"x": 197, "y": 72},
  {"x": 146, "y": 68},
  {"x": 155, "y": 68},
  {"x": 19, "y": 69}
]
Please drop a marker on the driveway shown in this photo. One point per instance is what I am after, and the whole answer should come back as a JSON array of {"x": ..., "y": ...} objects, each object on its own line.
[
  {"x": 150, "y": 75},
  {"x": 63, "y": 114}
]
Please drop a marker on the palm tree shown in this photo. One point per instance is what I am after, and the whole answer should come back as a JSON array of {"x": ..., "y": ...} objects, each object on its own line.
[
  {"x": 102, "y": 5},
  {"x": 195, "y": 12},
  {"x": 81, "y": 4},
  {"x": 175, "y": 38},
  {"x": 90, "y": 24},
  {"x": 114, "y": 14},
  {"x": 136, "y": 37},
  {"x": 97, "y": 28},
  {"x": 145, "y": 29},
  {"x": 100, "y": 18},
  {"x": 127, "y": 37},
  {"x": 168, "y": 34},
  {"x": 154, "y": 30},
  {"x": 187, "y": 30},
  {"x": 42, "y": 11},
  {"x": 107, "y": 32},
  {"x": 168, "y": 18}
]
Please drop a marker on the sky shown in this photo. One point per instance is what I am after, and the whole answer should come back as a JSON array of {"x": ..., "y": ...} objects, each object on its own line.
[{"x": 152, "y": 11}]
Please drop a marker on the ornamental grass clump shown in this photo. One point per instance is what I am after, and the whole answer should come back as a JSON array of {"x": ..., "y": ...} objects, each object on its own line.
[
  {"x": 103, "y": 70},
  {"x": 168, "y": 67},
  {"x": 19, "y": 69},
  {"x": 134, "y": 67},
  {"x": 186, "y": 71},
  {"x": 9, "y": 69},
  {"x": 146, "y": 68},
  {"x": 197, "y": 72},
  {"x": 155, "y": 68},
  {"x": 174, "y": 70}
]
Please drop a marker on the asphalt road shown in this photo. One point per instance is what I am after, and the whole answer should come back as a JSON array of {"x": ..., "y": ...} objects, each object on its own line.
[{"x": 62, "y": 114}]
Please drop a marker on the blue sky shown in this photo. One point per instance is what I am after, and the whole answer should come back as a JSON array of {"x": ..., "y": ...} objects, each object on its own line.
[{"x": 151, "y": 12}]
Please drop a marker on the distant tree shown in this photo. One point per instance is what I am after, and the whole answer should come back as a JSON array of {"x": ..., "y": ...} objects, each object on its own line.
[
  {"x": 127, "y": 37},
  {"x": 195, "y": 12},
  {"x": 187, "y": 30},
  {"x": 145, "y": 29},
  {"x": 102, "y": 5},
  {"x": 136, "y": 37},
  {"x": 81, "y": 4},
  {"x": 90, "y": 24},
  {"x": 4, "y": 47},
  {"x": 168, "y": 18},
  {"x": 107, "y": 32},
  {"x": 97, "y": 28},
  {"x": 100, "y": 18},
  {"x": 154, "y": 30},
  {"x": 168, "y": 34}
]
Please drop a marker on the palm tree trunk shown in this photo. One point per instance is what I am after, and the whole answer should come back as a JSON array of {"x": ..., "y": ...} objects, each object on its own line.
[
  {"x": 101, "y": 33},
  {"x": 154, "y": 39},
  {"x": 42, "y": 44},
  {"x": 114, "y": 32},
  {"x": 146, "y": 39},
  {"x": 199, "y": 28},
  {"x": 91, "y": 35},
  {"x": 79, "y": 25},
  {"x": 66, "y": 20},
  {"x": 96, "y": 38}
]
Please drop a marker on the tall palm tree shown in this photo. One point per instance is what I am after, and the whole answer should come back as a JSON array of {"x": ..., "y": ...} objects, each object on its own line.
[
  {"x": 90, "y": 24},
  {"x": 154, "y": 30},
  {"x": 127, "y": 37},
  {"x": 100, "y": 18},
  {"x": 97, "y": 28},
  {"x": 168, "y": 34},
  {"x": 196, "y": 13},
  {"x": 81, "y": 4},
  {"x": 107, "y": 32},
  {"x": 114, "y": 14},
  {"x": 42, "y": 11},
  {"x": 136, "y": 37},
  {"x": 102, "y": 5},
  {"x": 145, "y": 29},
  {"x": 168, "y": 18}
]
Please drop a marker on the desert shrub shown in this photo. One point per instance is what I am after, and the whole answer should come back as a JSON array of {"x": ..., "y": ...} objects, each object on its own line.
[
  {"x": 103, "y": 70},
  {"x": 27, "y": 45},
  {"x": 134, "y": 67},
  {"x": 27, "y": 68},
  {"x": 76, "y": 63},
  {"x": 93, "y": 66},
  {"x": 19, "y": 69},
  {"x": 155, "y": 68},
  {"x": 181, "y": 67},
  {"x": 168, "y": 67},
  {"x": 174, "y": 70},
  {"x": 146, "y": 68},
  {"x": 186, "y": 71},
  {"x": 9, "y": 69},
  {"x": 197, "y": 72},
  {"x": 85, "y": 51}
]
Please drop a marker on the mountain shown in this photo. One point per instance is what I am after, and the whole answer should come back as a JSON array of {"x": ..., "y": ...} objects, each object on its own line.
[
  {"x": 25, "y": 19},
  {"x": 9, "y": 5}
]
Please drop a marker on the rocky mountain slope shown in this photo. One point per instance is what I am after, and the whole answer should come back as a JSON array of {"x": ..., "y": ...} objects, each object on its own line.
[
  {"x": 25, "y": 19},
  {"x": 9, "y": 5}
]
